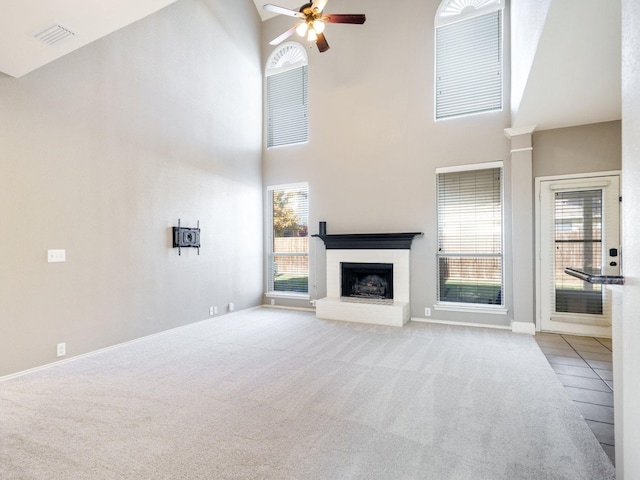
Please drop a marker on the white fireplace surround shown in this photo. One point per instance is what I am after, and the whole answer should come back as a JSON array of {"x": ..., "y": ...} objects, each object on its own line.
[{"x": 395, "y": 313}]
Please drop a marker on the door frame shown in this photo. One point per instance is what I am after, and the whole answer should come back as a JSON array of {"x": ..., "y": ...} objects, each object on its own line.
[{"x": 538, "y": 229}]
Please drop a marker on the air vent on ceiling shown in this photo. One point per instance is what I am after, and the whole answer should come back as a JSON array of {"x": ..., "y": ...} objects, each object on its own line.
[{"x": 54, "y": 35}]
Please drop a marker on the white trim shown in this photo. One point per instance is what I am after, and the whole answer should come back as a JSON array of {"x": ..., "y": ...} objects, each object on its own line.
[
  {"x": 475, "y": 308},
  {"x": 284, "y": 307},
  {"x": 470, "y": 166},
  {"x": 288, "y": 185},
  {"x": 523, "y": 327},
  {"x": 514, "y": 132},
  {"x": 575, "y": 186},
  {"x": 570, "y": 176},
  {"x": 525, "y": 149},
  {"x": 287, "y": 295},
  {"x": 29, "y": 371},
  {"x": 461, "y": 324}
]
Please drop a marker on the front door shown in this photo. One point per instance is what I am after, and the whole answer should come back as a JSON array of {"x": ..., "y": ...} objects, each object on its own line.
[{"x": 579, "y": 228}]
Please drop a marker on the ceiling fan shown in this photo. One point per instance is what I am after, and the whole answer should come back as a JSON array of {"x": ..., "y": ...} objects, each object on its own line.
[{"x": 313, "y": 22}]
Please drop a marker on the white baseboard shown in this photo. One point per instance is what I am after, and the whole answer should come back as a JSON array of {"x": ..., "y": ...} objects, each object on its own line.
[
  {"x": 284, "y": 307},
  {"x": 460, "y": 324},
  {"x": 523, "y": 327}
]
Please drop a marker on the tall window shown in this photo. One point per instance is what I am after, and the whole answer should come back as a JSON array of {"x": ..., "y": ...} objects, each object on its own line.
[
  {"x": 287, "y": 107},
  {"x": 470, "y": 254},
  {"x": 288, "y": 262},
  {"x": 468, "y": 57}
]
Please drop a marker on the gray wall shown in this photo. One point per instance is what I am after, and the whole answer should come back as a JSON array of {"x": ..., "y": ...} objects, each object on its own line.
[
  {"x": 101, "y": 152},
  {"x": 374, "y": 145},
  {"x": 584, "y": 149}
]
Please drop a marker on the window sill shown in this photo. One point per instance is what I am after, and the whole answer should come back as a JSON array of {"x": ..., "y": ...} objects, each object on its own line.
[
  {"x": 466, "y": 308},
  {"x": 288, "y": 295}
]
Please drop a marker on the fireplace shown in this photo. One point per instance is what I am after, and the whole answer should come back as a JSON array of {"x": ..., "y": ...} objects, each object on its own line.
[{"x": 367, "y": 280}]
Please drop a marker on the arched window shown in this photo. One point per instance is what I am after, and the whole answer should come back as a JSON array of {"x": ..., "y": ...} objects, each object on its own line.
[
  {"x": 287, "y": 108},
  {"x": 468, "y": 57}
]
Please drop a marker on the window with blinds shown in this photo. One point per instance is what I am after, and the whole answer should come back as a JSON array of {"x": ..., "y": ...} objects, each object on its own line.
[
  {"x": 468, "y": 63},
  {"x": 286, "y": 97},
  {"x": 288, "y": 262},
  {"x": 470, "y": 247}
]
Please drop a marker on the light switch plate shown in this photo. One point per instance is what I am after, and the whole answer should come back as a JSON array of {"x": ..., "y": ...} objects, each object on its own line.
[{"x": 55, "y": 256}]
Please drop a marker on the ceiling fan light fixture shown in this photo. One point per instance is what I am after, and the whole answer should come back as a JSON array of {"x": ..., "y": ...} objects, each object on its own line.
[
  {"x": 312, "y": 36},
  {"x": 302, "y": 29},
  {"x": 318, "y": 26}
]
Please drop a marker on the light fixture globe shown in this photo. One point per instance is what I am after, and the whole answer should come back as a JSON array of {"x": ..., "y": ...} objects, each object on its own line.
[{"x": 302, "y": 29}]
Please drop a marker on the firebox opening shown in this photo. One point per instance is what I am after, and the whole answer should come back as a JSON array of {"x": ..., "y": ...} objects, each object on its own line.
[{"x": 367, "y": 280}]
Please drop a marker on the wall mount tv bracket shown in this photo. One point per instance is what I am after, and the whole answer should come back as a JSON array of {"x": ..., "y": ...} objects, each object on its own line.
[{"x": 186, "y": 237}]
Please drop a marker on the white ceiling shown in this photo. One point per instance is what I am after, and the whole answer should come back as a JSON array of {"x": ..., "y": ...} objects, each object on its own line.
[
  {"x": 290, "y": 4},
  {"x": 21, "y": 53},
  {"x": 574, "y": 79}
]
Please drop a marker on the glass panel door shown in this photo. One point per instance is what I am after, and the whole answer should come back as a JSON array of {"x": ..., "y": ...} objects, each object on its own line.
[{"x": 578, "y": 228}]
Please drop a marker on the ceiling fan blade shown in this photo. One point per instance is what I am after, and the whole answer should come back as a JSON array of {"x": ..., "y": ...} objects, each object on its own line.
[
  {"x": 282, "y": 11},
  {"x": 321, "y": 42},
  {"x": 283, "y": 36},
  {"x": 354, "y": 18},
  {"x": 319, "y": 5}
]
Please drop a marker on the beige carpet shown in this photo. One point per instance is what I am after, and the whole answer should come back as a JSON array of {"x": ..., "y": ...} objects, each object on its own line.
[{"x": 274, "y": 394}]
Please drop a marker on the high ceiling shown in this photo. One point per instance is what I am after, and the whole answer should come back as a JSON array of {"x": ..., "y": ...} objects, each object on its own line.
[
  {"x": 89, "y": 20},
  {"x": 574, "y": 78}
]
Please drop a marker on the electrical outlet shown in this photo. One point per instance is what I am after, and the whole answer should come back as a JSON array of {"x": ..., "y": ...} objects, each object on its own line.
[
  {"x": 56, "y": 256},
  {"x": 61, "y": 349},
  {"x": 273, "y": 302},
  {"x": 215, "y": 310},
  {"x": 210, "y": 310},
  {"x": 231, "y": 307},
  {"x": 427, "y": 312}
]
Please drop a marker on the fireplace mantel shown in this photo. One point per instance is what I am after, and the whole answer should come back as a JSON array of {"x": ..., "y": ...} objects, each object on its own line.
[{"x": 369, "y": 241}]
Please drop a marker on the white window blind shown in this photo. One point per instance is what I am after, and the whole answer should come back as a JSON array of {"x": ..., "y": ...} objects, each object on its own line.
[
  {"x": 288, "y": 263},
  {"x": 469, "y": 66},
  {"x": 287, "y": 108},
  {"x": 470, "y": 256},
  {"x": 578, "y": 243}
]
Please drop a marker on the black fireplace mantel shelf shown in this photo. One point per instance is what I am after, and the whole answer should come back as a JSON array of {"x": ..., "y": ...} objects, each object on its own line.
[{"x": 369, "y": 241}]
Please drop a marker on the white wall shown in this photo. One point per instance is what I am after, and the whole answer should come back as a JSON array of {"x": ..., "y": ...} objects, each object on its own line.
[
  {"x": 530, "y": 17},
  {"x": 101, "y": 152},
  {"x": 374, "y": 144},
  {"x": 627, "y": 372}
]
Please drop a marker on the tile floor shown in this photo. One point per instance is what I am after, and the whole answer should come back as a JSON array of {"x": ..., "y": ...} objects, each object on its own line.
[{"x": 584, "y": 366}]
